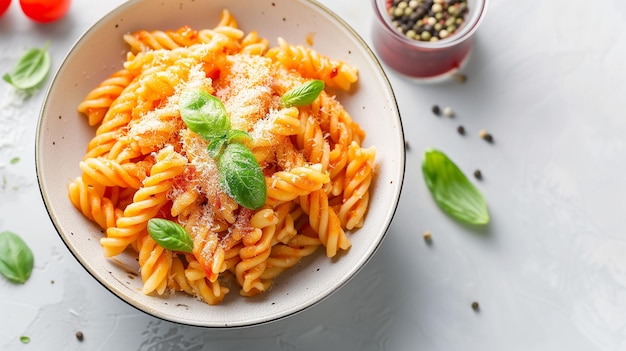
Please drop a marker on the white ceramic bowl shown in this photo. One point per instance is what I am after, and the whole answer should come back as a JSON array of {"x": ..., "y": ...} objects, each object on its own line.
[{"x": 63, "y": 135}]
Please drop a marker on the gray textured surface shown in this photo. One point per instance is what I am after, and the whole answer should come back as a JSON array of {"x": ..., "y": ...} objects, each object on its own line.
[{"x": 546, "y": 79}]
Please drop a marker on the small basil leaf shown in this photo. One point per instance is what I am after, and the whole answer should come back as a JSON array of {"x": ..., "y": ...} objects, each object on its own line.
[
  {"x": 170, "y": 235},
  {"x": 241, "y": 176},
  {"x": 204, "y": 114},
  {"x": 16, "y": 258},
  {"x": 238, "y": 135},
  {"x": 451, "y": 189},
  {"x": 7, "y": 78},
  {"x": 304, "y": 94},
  {"x": 31, "y": 69},
  {"x": 215, "y": 147}
]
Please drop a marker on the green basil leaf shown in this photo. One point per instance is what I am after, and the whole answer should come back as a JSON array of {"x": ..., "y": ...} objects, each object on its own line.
[
  {"x": 24, "y": 339},
  {"x": 170, "y": 235},
  {"x": 241, "y": 176},
  {"x": 451, "y": 189},
  {"x": 204, "y": 114},
  {"x": 16, "y": 258},
  {"x": 31, "y": 69},
  {"x": 238, "y": 135},
  {"x": 304, "y": 94},
  {"x": 215, "y": 147}
]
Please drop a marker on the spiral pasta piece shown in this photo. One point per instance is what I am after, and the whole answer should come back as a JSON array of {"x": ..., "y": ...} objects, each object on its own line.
[
  {"x": 286, "y": 122},
  {"x": 210, "y": 292},
  {"x": 255, "y": 253},
  {"x": 358, "y": 179},
  {"x": 93, "y": 206},
  {"x": 144, "y": 40},
  {"x": 146, "y": 202},
  {"x": 285, "y": 256},
  {"x": 314, "y": 65},
  {"x": 325, "y": 222},
  {"x": 252, "y": 44},
  {"x": 227, "y": 19},
  {"x": 311, "y": 141},
  {"x": 98, "y": 101},
  {"x": 155, "y": 263},
  {"x": 110, "y": 173},
  {"x": 288, "y": 185}
]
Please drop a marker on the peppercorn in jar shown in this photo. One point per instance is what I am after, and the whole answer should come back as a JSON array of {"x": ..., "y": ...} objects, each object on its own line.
[
  {"x": 427, "y": 20},
  {"x": 425, "y": 39}
]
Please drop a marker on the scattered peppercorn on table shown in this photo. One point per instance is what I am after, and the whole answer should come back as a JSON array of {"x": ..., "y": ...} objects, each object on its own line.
[{"x": 533, "y": 120}]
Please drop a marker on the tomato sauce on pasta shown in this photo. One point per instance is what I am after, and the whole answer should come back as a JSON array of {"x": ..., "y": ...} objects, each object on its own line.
[{"x": 143, "y": 162}]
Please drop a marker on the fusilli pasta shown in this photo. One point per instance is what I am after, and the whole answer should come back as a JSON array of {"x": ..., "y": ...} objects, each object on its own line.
[{"x": 143, "y": 162}]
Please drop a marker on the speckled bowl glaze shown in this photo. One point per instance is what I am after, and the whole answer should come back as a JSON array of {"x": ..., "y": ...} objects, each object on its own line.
[{"x": 63, "y": 134}]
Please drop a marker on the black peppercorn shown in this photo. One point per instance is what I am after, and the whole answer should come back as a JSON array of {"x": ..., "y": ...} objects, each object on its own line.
[{"x": 436, "y": 110}]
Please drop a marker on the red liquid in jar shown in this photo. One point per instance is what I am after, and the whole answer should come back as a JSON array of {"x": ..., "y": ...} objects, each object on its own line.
[
  {"x": 415, "y": 58},
  {"x": 420, "y": 63}
]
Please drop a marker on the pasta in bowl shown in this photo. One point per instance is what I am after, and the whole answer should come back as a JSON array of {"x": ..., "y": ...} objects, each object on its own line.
[{"x": 227, "y": 173}]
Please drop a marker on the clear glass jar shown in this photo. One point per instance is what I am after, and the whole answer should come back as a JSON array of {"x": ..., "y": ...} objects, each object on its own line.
[{"x": 425, "y": 60}]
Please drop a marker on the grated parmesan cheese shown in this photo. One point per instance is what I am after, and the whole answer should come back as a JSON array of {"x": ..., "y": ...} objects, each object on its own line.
[{"x": 245, "y": 89}]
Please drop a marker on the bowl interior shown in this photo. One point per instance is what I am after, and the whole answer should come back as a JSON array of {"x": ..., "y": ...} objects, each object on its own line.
[{"x": 63, "y": 135}]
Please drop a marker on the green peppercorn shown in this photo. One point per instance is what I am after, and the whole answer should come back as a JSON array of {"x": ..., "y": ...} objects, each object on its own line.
[{"x": 428, "y": 238}]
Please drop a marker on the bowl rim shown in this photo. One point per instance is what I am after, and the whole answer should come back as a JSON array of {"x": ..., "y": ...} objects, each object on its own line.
[{"x": 181, "y": 321}]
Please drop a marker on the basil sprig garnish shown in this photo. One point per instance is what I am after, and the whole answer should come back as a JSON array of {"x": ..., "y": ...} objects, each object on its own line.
[
  {"x": 170, "y": 235},
  {"x": 451, "y": 189},
  {"x": 16, "y": 258},
  {"x": 241, "y": 176},
  {"x": 31, "y": 69},
  {"x": 304, "y": 94}
]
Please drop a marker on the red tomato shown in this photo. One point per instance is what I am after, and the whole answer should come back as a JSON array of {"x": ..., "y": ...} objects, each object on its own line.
[
  {"x": 4, "y": 6},
  {"x": 45, "y": 10}
]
